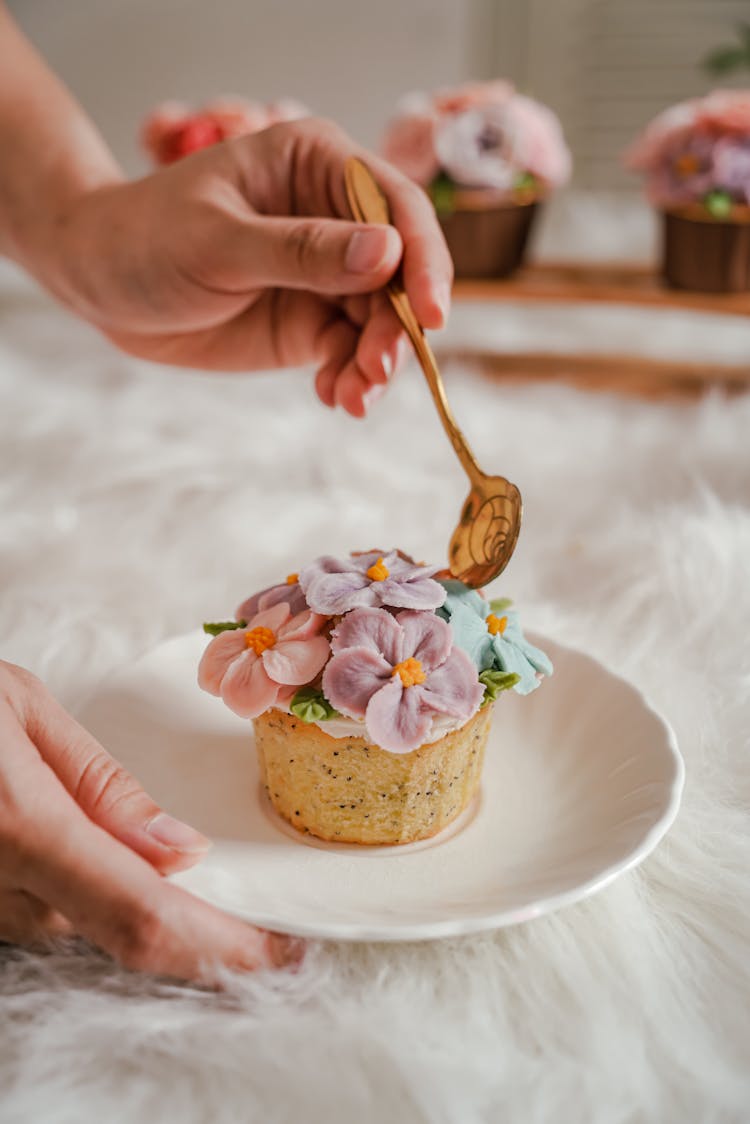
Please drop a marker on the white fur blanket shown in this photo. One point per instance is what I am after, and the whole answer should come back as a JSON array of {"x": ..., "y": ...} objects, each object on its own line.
[{"x": 136, "y": 502}]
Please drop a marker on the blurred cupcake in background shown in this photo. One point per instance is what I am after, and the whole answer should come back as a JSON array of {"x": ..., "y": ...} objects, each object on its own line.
[
  {"x": 487, "y": 156},
  {"x": 174, "y": 129},
  {"x": 695, "y": 157}
]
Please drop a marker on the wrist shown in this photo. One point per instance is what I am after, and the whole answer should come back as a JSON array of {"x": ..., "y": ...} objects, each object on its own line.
[{"x": 47, "y": 234}]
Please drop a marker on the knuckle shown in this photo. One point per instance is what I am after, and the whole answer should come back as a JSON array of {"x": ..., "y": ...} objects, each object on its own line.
[
  {"x": 302, "y": 245},
  {"x": 103, "y": 784},
  {"x": 14, "y": 678},
  {"x": 139, "y": 938},
  {"x": 319, "y": 128}
]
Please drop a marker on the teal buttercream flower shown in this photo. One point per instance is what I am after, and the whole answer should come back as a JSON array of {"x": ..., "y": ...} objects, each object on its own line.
[{"x": 490, "y": 634}]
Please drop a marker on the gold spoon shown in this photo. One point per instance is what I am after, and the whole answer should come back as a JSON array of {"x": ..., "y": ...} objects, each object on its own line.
[{"x": 487, "y": 532}]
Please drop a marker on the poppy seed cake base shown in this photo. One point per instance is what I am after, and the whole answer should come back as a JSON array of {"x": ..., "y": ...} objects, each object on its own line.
[{"x": 349, "y": 790}]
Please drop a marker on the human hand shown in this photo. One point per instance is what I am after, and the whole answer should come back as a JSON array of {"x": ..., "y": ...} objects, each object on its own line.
[
  {"x": 243, "y": 256},
  {"x": 82, "y": 848}
]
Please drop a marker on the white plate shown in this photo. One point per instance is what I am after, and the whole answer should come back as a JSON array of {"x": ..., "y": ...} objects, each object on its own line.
[{"x": 581, "y": 781}]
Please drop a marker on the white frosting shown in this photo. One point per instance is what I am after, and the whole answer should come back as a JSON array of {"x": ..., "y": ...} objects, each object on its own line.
[{"x": 340, "y": 728}]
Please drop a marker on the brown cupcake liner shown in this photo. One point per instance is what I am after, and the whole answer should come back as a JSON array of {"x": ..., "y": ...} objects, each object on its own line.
[
  {"x": 704, "y": 254},
  {"x": 486, "y": 239}
]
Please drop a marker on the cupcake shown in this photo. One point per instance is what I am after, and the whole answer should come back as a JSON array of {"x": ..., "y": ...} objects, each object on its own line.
[
  {"x": 173, "y": 129},
  {"x": 488, "y": 157},
  {"x": 370, "y": 682},
  {"x": 695, "y": 157}
]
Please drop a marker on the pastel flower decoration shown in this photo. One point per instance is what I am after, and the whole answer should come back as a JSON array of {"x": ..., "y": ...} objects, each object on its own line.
[
  {"x": 538, "y": 142},
  {"x": 333, "y": 586},
  {"x": 399, "y": 673},
  {"x": 695, "y": 150},
  {"x": 173, "y": 130},
  {"x": 288, "y": 592},
  {"x": 725, "y": 111},
  {"x": 473, "y": 95},
  {"x": 263, "y": 664},
  {"x": 475, "y": 148},
  {"x": 732, "y": 164},
  {"x": 493, "y": 639},
  {"x": 479, "y": 135},
  {"x": 493, "y": 144},
  {"x": 409, "y": 143}
]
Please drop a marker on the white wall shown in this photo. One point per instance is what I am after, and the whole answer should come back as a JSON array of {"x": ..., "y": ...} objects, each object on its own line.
[
  {"x": 605, "y": 65},
  {"x": 348, "y": 59}
]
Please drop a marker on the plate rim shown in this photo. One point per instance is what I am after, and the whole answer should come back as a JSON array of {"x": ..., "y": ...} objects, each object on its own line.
[{"x": 367, "y": 931}]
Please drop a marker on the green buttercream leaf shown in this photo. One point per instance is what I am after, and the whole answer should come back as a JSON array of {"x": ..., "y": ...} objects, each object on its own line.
[
  {"x": 310, "y": 705},
  {"x": 719, "y": 204},
  {"x": 213, "y": 629},
  {"x": 442, "y": 191},
  {"x": 500, "y": 604},
  {"x": 526, "y": 181},
  {"x": 496, "y": 682}
]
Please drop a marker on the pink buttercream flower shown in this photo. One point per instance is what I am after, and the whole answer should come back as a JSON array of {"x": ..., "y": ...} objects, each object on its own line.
[
  {"x": 332, "y": 586},
  {"x": 492, "y": 145},
  {"x": 174, "y": 130},
  {"x": 726, "y": 111},
  {"x": 399, "y": 673},
  {"x": 161, "y": 122},
  {"x": 481, "y": 134},
  {"x": 538, "y": 143},
  {"x": 262, "y": 665},
  {"x": 473, "y": 95},
  {"x": 409, "y": 144},
  {"x": 288, "y": 592},
  {"x": 666, "y": 128},
  {"x": 694, "y": 148},
  {"x": 236, "y": 117},
  {"x": 475, "y": 148}
]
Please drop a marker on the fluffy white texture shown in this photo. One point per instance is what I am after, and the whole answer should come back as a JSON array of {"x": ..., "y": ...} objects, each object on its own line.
[{"x": 137, "y": 502}]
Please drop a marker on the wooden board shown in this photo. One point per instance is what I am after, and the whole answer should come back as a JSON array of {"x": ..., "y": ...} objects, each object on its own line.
[
  {"x": 644, "y": 377},
  {"x": 564, "y": 283},
  {"x": 599, "y": 283}
]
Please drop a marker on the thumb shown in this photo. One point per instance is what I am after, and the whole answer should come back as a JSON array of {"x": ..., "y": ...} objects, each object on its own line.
[
  {"x": 327, "y": 256},
  {"x": 105, "y": 791}
]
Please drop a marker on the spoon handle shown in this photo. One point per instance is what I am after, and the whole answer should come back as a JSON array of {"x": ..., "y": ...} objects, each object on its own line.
[
  {"x": 368, "y": 204},
  {"x": 431, "y": 371}
]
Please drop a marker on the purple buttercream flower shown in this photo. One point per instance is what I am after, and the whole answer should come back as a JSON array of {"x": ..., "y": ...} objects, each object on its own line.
[
  {"x": 399, "y": 673},
  {"x": 333, "y": 586},
  {"x": 732, "y": 167},
  {"x": 686, "y": 172},
  {"x": 288, "y": 592}
]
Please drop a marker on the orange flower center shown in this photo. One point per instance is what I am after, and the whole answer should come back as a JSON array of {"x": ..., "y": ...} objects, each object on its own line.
[
  {"x": 259, "y": 639},
  {"x": 378, "y": 572},
  {"x": 496, "y": 625},
  {"x": 686, "y": 165},
  {"x": 292, "y": 579},
  {"x": 410, "y": 672}
]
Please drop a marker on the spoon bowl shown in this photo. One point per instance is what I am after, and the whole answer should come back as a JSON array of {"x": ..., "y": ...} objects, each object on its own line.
[{"x": 487, "y": 532}]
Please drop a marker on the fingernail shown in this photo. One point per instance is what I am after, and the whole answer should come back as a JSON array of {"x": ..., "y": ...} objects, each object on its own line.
[
  {"x": 286, "y": 952},
  {"x": 366, "y": 250},
  {"x": 443, "y": 298},
  {"x": 371, "y": 396},
  {"x": 176, "y": 835},
  {"x": 386, "y": 362}
]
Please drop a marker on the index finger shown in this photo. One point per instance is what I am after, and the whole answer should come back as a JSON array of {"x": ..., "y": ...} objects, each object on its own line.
[{"x": 117, "y": 900}]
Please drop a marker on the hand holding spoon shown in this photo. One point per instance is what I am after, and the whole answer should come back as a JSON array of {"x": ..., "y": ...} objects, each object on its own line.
[{"x": 487, "y": 532}]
